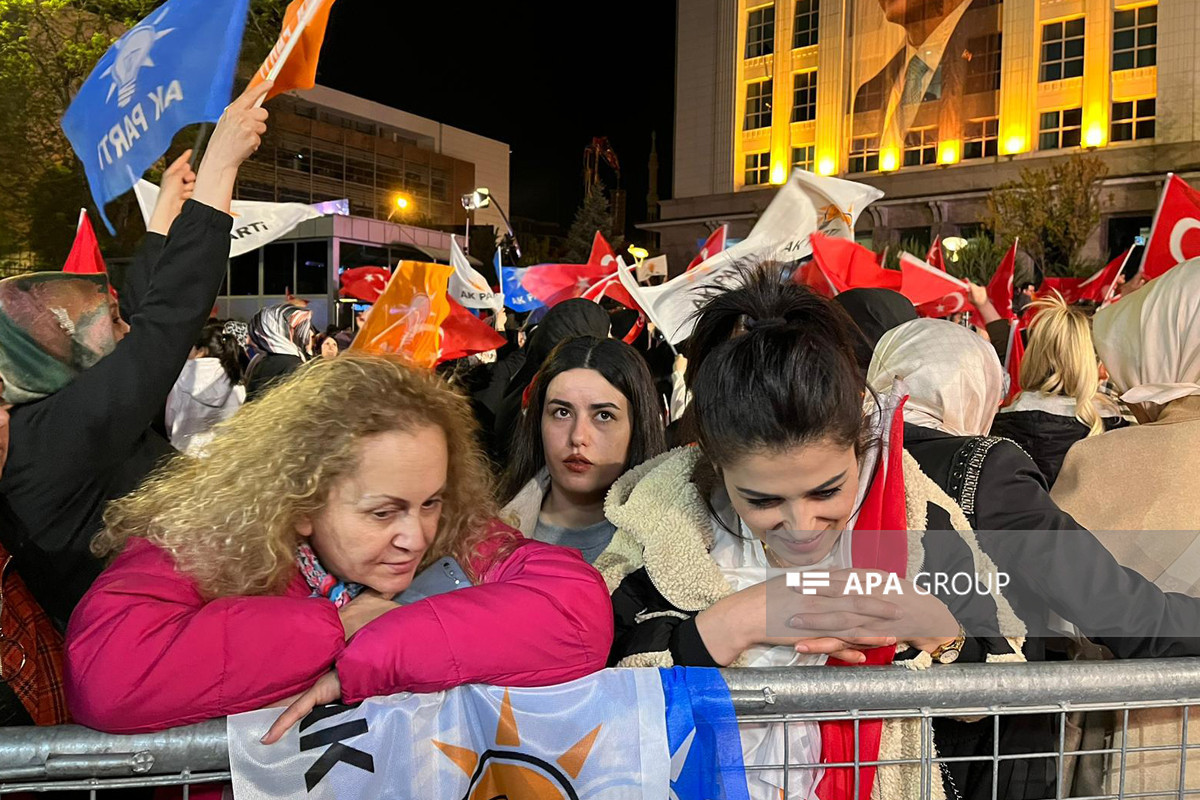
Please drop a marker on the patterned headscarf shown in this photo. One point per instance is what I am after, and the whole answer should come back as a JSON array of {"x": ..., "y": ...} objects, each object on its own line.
[
  {"x": 53, "y": 326},
  {"x": 952, "y": 375},
  {"x": 239, "y": 330},
  {"x": 284, "y": 330}
]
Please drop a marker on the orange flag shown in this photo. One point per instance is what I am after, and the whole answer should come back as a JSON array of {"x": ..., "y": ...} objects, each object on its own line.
[
  {"x": 292, "y": 62},
  {"x": 408, "y": 316}
]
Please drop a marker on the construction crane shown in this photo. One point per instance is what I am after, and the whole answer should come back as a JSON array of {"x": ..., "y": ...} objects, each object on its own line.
[{"x": 599, "y": 151}]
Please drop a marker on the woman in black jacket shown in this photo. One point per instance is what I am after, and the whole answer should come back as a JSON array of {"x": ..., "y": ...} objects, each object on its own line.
[{"x": 85, "y": 396}]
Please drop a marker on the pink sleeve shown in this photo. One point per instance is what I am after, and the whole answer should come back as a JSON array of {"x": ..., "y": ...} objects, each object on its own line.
[
  {"x": 542, "y": 616},
  {"x": 145, "y": 652}
]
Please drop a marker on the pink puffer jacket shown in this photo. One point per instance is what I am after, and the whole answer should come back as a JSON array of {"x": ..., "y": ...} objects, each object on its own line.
[{"x": 145, "y": 652}]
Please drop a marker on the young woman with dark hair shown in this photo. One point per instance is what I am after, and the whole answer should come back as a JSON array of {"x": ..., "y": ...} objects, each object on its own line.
[
  {"x": 208, "y": 390},
  {"x": 592, "y": 413},
  {"x": 784, "y": 458}
]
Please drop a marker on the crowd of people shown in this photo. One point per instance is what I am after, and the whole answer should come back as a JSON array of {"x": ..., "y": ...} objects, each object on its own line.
[{"x": 210, "y": 516}]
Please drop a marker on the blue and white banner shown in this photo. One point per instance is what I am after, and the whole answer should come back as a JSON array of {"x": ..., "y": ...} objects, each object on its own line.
[
  {"x": 173, "y": 69},
  {"x": 621, "y": 734},
  {"x": 516, "y": 296}
]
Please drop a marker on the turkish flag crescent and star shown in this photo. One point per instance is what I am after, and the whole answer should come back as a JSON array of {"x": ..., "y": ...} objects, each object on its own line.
[
  {"x": 304, "y": 22},
  {"x": 1175, "y": 236},
  {"x": 933, "y": 292}
]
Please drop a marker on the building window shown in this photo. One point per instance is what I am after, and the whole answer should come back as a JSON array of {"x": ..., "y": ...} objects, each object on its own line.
[
  {"x": 807, "y": 17},
  {"x": 1060, "y": 129},
  {"x": 760, "y": 32},
  {"x": 864, "y": 154},
  {"x": 1062, "y": 50},
  {"x": 983, "y": 70},
  {"x": 1135, "y": 38},
  {"x": 1133, "y": 119},
  {"x": 758, "y": 105},
  {"x": 758, "y": 169},
  {"x": 981, "y": 138},
  {"x": 804, "y": 157},
  {"x": 920, "y": 147},
  {"x": 804, "y": 96}
]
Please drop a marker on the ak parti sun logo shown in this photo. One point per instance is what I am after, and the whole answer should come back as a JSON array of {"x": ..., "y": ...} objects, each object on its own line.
[{"x": 504, "y": 771}]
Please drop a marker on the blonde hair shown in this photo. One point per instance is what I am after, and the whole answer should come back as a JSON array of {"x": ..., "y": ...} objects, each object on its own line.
[
  {"x": 229, "y": 520},
  {"x": 1061, "y": 359}
]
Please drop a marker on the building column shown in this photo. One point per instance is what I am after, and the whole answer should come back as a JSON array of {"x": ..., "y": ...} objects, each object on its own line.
[
  {"x": 1018, "y": 76},
  {"x": 1097, "y": 72},
  {"x": 831, "y": 87}
]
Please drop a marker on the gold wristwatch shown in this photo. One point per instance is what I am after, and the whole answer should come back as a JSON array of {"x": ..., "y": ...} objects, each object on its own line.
[{"x": 948, "y": 653}]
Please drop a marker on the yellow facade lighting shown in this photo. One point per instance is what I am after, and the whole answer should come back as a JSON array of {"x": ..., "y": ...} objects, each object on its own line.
[
  {"x": 778, "y": 174},
  {"x": 1095, "y": 135},
  {"x": 889, "y": 161},
  {"x": 826, "y": 166},
  {"x": 1014, "y": 144},
  {"x": 949, "y": 153}
]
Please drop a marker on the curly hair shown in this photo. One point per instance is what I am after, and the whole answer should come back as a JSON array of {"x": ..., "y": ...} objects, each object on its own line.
[{"x": 229, "y": 520}]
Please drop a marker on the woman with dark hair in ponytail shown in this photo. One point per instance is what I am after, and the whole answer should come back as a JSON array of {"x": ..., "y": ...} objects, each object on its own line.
[
  {"x": 209, "y": 390},
  {"x": 789, "y": 472}
]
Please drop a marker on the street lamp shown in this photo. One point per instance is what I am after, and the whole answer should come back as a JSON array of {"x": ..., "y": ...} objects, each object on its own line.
[
  {"x": 402, "y": 204},
  {"x": 482, "y": 198}
]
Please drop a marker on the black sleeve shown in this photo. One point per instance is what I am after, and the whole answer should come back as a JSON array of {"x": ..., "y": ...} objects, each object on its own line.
[
  {"x": 109, "y": 406},
  {"x": 997, "y": 331},
  {"x": 140, "y": 273},
  {"x": 644, "y": 622},
  {"x": 1057, "y": 565}
]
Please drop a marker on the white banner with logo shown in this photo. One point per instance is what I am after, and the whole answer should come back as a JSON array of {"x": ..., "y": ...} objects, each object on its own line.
[
  {"x": 254, "y": 223},
  {"x": 467, "y": 286},
  {"x": 602, "y": 737}
]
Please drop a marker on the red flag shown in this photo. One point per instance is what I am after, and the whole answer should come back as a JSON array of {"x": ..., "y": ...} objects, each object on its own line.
[
  {"x": 292, "y": 62},
  {"x": 602, "y": 253},
  {"x": 713, "y": 245},
  {"x": 933, "y": 292},
  {"x": 365, "y": 284},
  {"x": 848, "y": 265},
  {"x": 464, "y": 334},
  {"x": 610, "y": 287},
  {"x": 1000, "y": 287},
  {"x": 1012, "y": 360},
  {"x": 1175, "y": 234},
  {"x": 1097, "y": 289},
  {"x": 85, "y": 258},
  {"x": 810, "y": 275},
  {"x": 935, "y": 257}
]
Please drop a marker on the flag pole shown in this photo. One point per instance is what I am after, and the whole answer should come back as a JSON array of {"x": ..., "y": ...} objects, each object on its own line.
[
  {"x": 201, "y": 133},
  {"x": 1112, "y": 287},
  {"x": 1162, "y": 198},
  {"x": 310, "y": 11}
]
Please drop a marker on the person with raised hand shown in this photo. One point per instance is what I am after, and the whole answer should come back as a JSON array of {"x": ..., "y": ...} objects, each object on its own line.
[{"x": 86, "y": 382}]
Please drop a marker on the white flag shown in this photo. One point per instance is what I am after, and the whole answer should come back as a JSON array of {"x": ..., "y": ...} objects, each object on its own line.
[
  {"x": 602, "y": 737},
  {"x": 254, "y": 223},
  {"x": 468, "y": 287},
  {"x": 651, "y": 267},
  {"x": 807, "y": 203}
]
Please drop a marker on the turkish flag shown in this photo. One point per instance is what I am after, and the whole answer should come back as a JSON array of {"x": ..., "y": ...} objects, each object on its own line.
[
  {"x": 365, "y": 284},
  {"x": 713, "y": 245},
  {"x": 1175, "y": 237},
  {"x": 464, "y": 334},
  {"x": 602, "y": 253},
  {"x": 1097, "y": 288},
  {"x": 85, "y": 258},
  {"x": 847, "y": 265},
  {"x": 810, "y": 275},
  {"x": 935, "y": 257},
  {"x": 933, "y": 292},
  {"x": 1012, "y": 360},
  {"x": 1000, "y": 287},
  {"x": 610, "y": 287},
  {"x": 303, "y": 32}
]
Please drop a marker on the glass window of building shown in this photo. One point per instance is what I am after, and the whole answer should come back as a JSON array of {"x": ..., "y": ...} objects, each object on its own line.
[
  {"x": 1060, "y": 129},
  {"x": 760, "y": 32},
  {"x": 279, "y": 268},
  {"x": 1135, "y": 38},
  {"x": 1062, "y": 50},
  {"x": 983, "y": 70},
  {"x": 758, "y": 169},
  {"x": 243, "y": 274},
  {"x": 1133, "y": 119},
  {"x": 804, "y": 157},
  {"x": 864, "y": 154},
  {"x": 807, "y": 19},
  {"x": 312, "y": 267},
  {"x": 758, "y": 105},
  {"x": 981, "y": 138},
  {"x": 804, "y": 91},
  {"x": 920, "y": 147}
]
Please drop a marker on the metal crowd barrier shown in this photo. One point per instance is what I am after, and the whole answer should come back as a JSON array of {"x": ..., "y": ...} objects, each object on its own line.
[{"x": 71, "y": 757}]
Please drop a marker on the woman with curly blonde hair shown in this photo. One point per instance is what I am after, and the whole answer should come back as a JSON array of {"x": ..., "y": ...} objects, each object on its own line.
[
  {"x": 1060, "y": 402},
  {"x": 267, "y": 570}
]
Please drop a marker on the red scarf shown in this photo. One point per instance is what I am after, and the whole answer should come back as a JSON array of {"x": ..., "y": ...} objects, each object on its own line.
[{"x": 883, "y": 511}]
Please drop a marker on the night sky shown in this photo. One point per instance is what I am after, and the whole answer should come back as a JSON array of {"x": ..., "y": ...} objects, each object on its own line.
[{"x": 543, "y": 77}]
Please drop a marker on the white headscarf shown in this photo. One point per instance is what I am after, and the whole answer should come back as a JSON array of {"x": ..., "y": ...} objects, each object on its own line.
[
  {"x": 1150, "y": 340},
  {"x": 952, "y": 375}
]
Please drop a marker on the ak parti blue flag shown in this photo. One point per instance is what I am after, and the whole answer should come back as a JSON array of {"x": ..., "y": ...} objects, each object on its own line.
[
  {"x": 516, "y": 296},
  {"x": 173, "y": 69}
]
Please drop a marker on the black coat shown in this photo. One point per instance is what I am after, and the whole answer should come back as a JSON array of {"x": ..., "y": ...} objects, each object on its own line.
[
  {"x": 1046, "y": 437},
  {"x": 91, "y": 442},
  {"x": 268, "y": 369}
]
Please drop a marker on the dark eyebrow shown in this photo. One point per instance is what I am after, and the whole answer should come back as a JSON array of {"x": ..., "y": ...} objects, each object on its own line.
[
  {"x": 599, "y": 406},
  {"x": 556, "y": 402},
  {"x": 826, "y": 485}
]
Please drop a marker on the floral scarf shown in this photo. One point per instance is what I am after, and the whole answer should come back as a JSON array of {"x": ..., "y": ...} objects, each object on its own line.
[{"x": 322, "y": 583}]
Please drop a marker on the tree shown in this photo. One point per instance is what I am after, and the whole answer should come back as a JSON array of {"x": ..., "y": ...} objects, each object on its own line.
[
  {"x": 1053, "y": 211},
  {"x": 594, "y": 215},
  {"x": 47, "y": 49}
]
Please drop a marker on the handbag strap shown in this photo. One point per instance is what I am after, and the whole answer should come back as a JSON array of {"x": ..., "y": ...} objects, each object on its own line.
[{"x": 964, "y": 472}]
